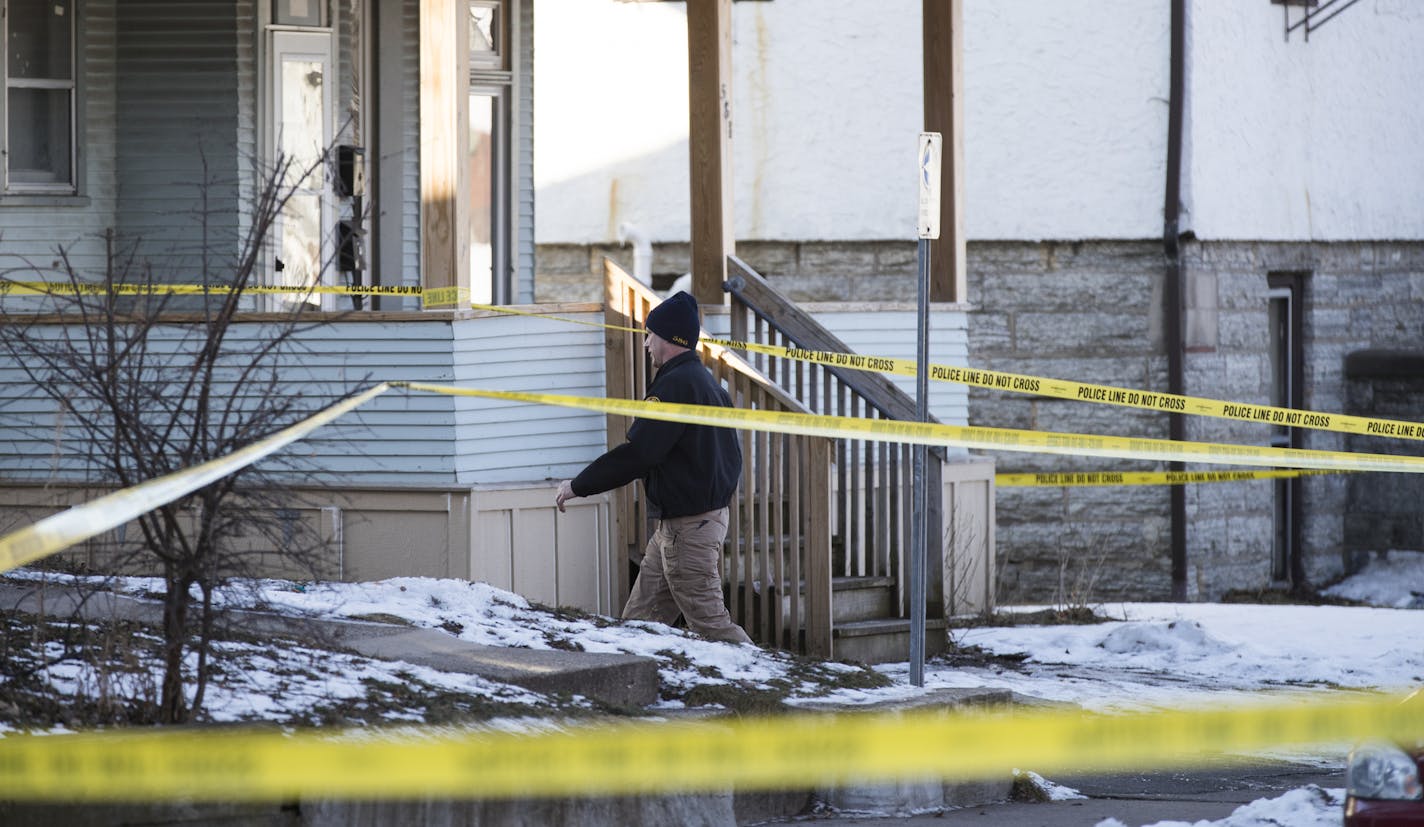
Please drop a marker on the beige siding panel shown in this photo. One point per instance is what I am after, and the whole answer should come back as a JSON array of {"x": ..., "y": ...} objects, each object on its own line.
[
  {"x": 521, "y": 542},
  {"x": 395, "y": 541},
  {"x": 581, "y": 570},
  {"x": 536, "y": 557},
  {"x": 969, "y": 569},
  {"x": 492, "y": 547}
]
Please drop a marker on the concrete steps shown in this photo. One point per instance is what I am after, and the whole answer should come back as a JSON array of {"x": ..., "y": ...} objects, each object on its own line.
[
  {"x": 865, "y": 628},
  {"x": 884, "y": 640}
]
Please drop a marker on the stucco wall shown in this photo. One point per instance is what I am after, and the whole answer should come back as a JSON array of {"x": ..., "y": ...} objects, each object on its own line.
[
  {"x": 1297, "y": 140},
  {"x": 1065, "y": 120}
]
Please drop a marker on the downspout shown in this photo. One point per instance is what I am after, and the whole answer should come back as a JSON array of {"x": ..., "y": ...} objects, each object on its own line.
[
  {"x": 642, "y": 252},
  {"x": 1171, "y": 215}
]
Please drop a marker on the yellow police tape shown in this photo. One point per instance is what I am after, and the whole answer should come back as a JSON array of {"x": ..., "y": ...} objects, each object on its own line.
[
  {"x": 62, "y": 530},
  {"x": 51, "y": 288},
  {"x": 781, "y": 753},
  {"x": 1070, "y": 479},
  {"x": 929, "y": 433},
  {"x": 1101, "y": 394},
  {"x": 77, "y": 524},
  {"x": 452, "y": 297}
]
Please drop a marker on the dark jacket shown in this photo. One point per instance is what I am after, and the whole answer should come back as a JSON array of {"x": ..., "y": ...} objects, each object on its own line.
[{"x": 686, "y": 469}]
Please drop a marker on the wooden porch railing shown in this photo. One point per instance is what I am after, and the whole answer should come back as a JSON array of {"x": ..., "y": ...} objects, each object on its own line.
[
  {"x": 873, "y": 480},
  {"x": 777, "y": 557}
]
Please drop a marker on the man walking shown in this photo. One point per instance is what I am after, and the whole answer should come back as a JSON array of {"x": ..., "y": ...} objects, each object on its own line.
[{"x": 689, "y": 473}]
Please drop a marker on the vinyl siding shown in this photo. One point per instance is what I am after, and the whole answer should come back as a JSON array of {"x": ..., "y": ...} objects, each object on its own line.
[
  {"x": 400, "y": 438},
  {"x": 408, "y": 438},
  {"x": 410, "y": 161},
  {"x": 524, "y": 158},
  {"x": 507, "y": 441},
  {"x": 177, "y": 68},
  {"x": 248, "y": 101},
  {"x": 890, "y": 331}
]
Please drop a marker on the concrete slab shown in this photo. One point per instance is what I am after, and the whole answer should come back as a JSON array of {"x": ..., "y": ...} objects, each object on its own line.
[{"x": 620, "y": 681}]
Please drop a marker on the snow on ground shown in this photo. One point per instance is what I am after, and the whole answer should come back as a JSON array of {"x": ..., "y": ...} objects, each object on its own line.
[
  {"x": 1151, "y": 655},
  {"x": 1309, "y": 806},
  {"x": 1168, "y": 654}
]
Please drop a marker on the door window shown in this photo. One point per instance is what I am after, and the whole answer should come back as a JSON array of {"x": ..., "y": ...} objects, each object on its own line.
[{"x": 301, "y": 121}]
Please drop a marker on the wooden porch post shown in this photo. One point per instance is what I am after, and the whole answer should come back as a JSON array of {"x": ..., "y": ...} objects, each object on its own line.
[
  {"x": 444, "y": 154},
  {"x": 709, "y": 65},
  {"x": 943, "y": 34}
]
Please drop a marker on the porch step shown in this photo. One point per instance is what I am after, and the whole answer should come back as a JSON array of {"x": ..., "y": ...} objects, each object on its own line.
[
  {"x": 885, "y": 640},
  {"x": 861, "y": 598}
]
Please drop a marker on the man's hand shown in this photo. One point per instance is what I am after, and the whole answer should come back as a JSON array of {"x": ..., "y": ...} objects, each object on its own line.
[{"x": 566, "y": 493}]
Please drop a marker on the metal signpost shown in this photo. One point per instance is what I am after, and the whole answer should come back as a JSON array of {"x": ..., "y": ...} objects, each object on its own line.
[{"x": 929, "y": 155}]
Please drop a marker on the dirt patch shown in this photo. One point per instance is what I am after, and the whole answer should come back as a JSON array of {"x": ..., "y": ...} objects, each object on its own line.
[
  {"x": 1073, "y": 616},
  {"x": 1285, "y": 597}
]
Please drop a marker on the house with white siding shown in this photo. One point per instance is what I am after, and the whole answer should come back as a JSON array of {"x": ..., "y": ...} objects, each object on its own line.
[{"x": 1172, "y": 195}]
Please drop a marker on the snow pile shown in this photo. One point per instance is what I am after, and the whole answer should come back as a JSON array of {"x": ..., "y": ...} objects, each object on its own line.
[
  {"x": 1169, "y": 642},
  {"x": 1395, "y": 581},
  {"x": 1180, "y": 654},
  {"x": 1051, "y": 791},
  {"x": 1309, "y": 806}
]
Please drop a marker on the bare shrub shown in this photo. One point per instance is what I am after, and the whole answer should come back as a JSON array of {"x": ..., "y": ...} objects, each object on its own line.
[{"x": 146, "y": 383}]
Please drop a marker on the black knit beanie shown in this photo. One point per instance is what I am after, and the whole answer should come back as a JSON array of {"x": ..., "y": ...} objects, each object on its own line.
[{"x": 676, "y": 320}]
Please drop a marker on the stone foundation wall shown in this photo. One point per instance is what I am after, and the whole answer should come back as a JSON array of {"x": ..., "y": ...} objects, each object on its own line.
[
  {"x": 1382, "y": 512},
  {"x": 1088, "y": 312},
  {"x": 808, "y": 271},
  {"x": 1093, "y": 312}
]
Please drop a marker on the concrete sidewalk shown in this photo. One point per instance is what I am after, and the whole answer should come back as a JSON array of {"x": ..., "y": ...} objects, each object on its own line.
[{"x": 621, "y": 681}]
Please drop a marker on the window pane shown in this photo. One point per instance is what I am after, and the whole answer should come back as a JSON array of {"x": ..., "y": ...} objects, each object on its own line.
[
  {"x": 483, "y": 32},
  {"x": 302, "y": 136},
  {"x": 298, "y": 12},
  {"x": 38, "y": 39},
  {"x": 301, "y": 241},
  {"x": 481, "y": 197},
  {"x": 39, "y": 151}
]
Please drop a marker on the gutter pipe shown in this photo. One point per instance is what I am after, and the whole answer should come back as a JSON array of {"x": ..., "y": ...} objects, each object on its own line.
[
  {"x": 642, "y": 251},
  {"x": 1171, "y": 215}
]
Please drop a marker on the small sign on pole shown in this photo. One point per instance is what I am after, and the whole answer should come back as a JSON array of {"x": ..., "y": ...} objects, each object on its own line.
[
  {"x": 929, "y": 171},
  {"x": 931, "y": 148}
]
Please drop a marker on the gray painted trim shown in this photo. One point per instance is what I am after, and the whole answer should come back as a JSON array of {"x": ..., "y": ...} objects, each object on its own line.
[
  {"x": 388, "y": 150},
  {"x": 522, "y": 237}
]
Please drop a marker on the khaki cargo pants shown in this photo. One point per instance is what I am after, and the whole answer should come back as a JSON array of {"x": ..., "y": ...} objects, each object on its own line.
[{"x": 680, "y": 575}]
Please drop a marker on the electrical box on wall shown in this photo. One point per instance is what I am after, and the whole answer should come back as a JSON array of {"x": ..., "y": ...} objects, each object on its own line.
[{"x": 350, "y": 171}]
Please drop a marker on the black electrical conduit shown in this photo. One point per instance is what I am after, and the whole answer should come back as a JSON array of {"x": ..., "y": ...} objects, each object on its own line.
[{"x": 1171, "y": 215}]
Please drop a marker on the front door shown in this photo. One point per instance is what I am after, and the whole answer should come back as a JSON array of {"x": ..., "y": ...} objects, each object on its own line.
[{"x": 301, "y": 98}]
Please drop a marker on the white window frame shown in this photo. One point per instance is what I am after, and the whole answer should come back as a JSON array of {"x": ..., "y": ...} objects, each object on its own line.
[
  {"x": 70, "y": 86},
  {"x": 316, "y": 44},
  {"x": 492, "y": 76}
]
